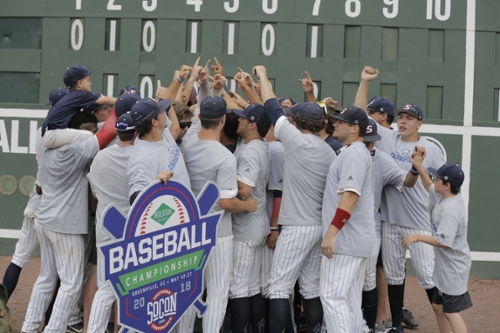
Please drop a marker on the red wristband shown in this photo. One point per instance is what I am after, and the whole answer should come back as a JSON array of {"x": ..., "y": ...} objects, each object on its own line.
[
  {"x": 276, "y": 208},
  {"x": 340, "y": 219}
]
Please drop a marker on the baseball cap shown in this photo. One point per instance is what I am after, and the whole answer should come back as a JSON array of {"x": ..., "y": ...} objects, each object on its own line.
[
  {"x": 129, "y": 90},
  {"x": 146, "y": 109},
  {"x": 125, "y": 123},
  {"x": 309, "y": 110},
  {"x": 381, "y": 104},
  {"x": 55, "y": 95},
  {"x": 290, "y": 111},
  {"x": 256, "y": 114},
  {"x": 412, "y": 109},
  {"x": 353, "y": 115},
  {"x": 213, "y": 107},
  {"x": 371, "y": 132},
  {"x": 75, "y": 73},
  {"x": 451, "y": 173},
  {"x": 281, "y": 99},
  {"x": 125, "y": 102}
]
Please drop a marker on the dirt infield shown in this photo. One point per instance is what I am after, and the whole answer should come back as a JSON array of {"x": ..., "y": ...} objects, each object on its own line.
[{"x": 484, "y": 317}]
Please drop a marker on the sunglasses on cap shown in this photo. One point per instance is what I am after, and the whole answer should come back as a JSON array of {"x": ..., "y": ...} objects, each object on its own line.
[
  {"x": 121, "y": 126},
  {"x": 323, "y": 105},
  {"x": 184, "y": 124}
]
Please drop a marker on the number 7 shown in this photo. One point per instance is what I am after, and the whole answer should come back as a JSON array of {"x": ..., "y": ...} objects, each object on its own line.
[{"x": 316, "y": 7}]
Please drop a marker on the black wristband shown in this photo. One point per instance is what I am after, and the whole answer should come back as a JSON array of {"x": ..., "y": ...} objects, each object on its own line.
[{"x": 413, "y": 171}]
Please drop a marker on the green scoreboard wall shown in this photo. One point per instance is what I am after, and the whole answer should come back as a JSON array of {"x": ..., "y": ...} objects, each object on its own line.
[{"x": 443, "y": 55}]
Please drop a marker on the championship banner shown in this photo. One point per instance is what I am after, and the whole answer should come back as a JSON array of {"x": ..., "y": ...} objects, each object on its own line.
[{"x": 156, "y": 262}]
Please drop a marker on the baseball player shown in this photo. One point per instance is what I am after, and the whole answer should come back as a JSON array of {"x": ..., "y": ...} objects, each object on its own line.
[
  {"x": 348, "y": 225},
  {"x": 208, "y": 160},
  {"x": 109, "y": 187},
  {"x": 64, "y": 200},
  {"x": 408, "y": 213},
  {"x": 27, "y": 241},
  {"x": 250, "y": 229},
  {"x": 385, "y": 171},
  {"x": 381, "y": 110},
  {"x": 298, "y": 253},
  {"x": 449, "y": 239}
]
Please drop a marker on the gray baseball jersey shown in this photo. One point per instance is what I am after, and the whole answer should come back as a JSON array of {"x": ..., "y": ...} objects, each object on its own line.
[
  {"x": 303, "y": 181},
  {"x": 40, "y": 151},
  {"x": 449, "y": 228},
  {"x": 276, "y": 169},
  {"x": 385, "y": 171},
  {"x": 63, "y": 208},
  {"x": 107, "y": 181},
  {"x": 208, "y": 160},
  {"x": 252, "y": 160},
  {"x": 351, "y": 171},
  {"x": 410, "y": 207},
  {"x": 149, "y": 158}
]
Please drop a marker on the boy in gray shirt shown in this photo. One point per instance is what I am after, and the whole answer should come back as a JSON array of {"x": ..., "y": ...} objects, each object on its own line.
[
  {"x": 250, "y": 229},
  {"x": 449, "y": 239}
]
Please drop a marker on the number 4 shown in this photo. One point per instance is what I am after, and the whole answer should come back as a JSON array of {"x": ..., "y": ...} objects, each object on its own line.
[{"x": 196, "y": 3}]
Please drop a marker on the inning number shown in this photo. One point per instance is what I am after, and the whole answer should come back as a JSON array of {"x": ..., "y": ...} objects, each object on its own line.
[
  {"x": 233, "y": 8},
  {"x": 437, "y": 9},
  {"x": 196, "y": 3},
  {"x": 149, "y": 7},
  {"x": 395, "y": 8},
  {"x": 267, "y": 9},
  {"x": 352, "y": 8},
  {"x": 112, "y": 6},
  {"x": 316, "y": 7}
]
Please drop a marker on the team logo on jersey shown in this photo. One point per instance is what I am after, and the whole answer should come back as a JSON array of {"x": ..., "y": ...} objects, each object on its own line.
[{"x": 156, "y": 261}]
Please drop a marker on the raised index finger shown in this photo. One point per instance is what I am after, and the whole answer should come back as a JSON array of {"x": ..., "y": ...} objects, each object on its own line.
[
  {"x": 208, "y": 63},
  {"x": 217, "y": 61},
  {"x": 158, "y": 82},
  {"x": 197, "y": 61},
  {"x": 308, "y": 76}
]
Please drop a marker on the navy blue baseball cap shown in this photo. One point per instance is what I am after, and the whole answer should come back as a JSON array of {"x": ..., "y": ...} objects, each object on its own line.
[
  {"x": 55, "y": 95},
  {"x": 255, "y": 113},
  {"x": 381, "y": 104},
  {"x": 281, "y": 99},
  {"x": 129, "y": 90},
  {"x": 412, "y": 109},
  {"x": 308, "y": 110},
  {"x": 353, "y": 115},
  {"x": 213, "y": 107},
  {"x": 371, "y": 132},
  {"x": 74, "y": 74},
  {"x": 125, "y": 123},
  {"x": 125, "y": 102},
  {"x": 144, "y": 110},
  {"x": 290, "y": 111},
  {"x": 451, "y": 173}
]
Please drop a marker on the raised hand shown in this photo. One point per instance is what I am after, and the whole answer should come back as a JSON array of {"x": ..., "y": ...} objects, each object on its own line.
[
  {"x": 217, "y": 68},
  {"x": 369, "y": 73},
  {"x": 307, "y": 84}
]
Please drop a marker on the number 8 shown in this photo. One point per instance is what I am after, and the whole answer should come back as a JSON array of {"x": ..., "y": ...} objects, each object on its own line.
[{"x": 348, "y": 8}]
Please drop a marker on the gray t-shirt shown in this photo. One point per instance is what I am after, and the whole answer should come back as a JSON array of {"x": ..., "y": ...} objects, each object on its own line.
[
  {"x": 308, "y": 158},
  {"x": 149, "y": 158},
  {"x": 351, "y": 171},
  {"x": 276, "y": 169},
  {"x": 208, "y": 160},
  {"x": 409, "y": 208},
  {"x": 107, "y": 181},
  {"x": 64, "y": 204},
  {"x": 40, "y": 151},
  {"x": 253, "y": 170},
  {"x": 385, "y": 172},
  {"x": 449, "y": 228}
]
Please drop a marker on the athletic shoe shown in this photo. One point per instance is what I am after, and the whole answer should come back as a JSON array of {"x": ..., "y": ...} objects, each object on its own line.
[
  {"x": 388, "y": 323},
  {"x": 395, "y": 330},
  {"x": 75, "y": 328},
  {"x": 408, "y": 319},
  {"x": 380, "y": 328}
]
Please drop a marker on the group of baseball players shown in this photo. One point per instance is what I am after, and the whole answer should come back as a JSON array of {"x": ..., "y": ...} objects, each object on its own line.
[{"x": 320, "y": 204}]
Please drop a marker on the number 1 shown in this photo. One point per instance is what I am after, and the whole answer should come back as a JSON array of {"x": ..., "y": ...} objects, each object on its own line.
[{"x": 78, "y": 4}]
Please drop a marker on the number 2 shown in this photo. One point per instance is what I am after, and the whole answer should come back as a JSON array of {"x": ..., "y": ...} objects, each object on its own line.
[
  {"x": 112, "y": 6},
  {"x": 196, "y": 3}
]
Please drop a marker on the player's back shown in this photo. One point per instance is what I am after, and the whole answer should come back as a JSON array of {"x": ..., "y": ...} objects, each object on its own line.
[
  {"x": 64, "y": 207},
  {"x": 209, "y": 160}
]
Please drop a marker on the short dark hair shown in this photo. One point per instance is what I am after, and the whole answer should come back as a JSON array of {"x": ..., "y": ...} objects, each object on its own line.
[
  {"x": 390, "y": 119},
  {"x": 182, "y": 111},
  {"x": 453, "y": 189},
  {"x": 313, "y": 126},
  {"x": 209, "y": 123},
  {"x": 144, "y": 129},
  {"x": 126, "y": 136},
  {"x": 231, "y": 126},
  {"x": 82, "y": 118}
]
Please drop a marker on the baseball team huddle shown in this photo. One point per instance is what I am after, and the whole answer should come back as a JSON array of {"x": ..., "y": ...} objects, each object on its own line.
[{"x": 320, "y": 204}]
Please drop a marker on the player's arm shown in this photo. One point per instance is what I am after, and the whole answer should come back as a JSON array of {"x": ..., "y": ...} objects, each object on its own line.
[
  {"x": 266, "y": 91},
  {"x": 188, "y": 86},
  {"x": 246, "y": 84},
  {"x": 235, "y": 205},
  {"x": 108, "y": 131},
  {"x": 417, "y": 157},
  {"x": 177, "y": 81},
  {"x": 273, "y": 235},
  {"x": 410, "y": 239},
  {"x": 368, "y": 74},
  {"x": 244, "y": 190},
  {"x": 342, "y": 215},
  {"x": 109, "y": 100},
  {"x": 417, "y": 160},
  {"x": 307, "y": 85}
]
